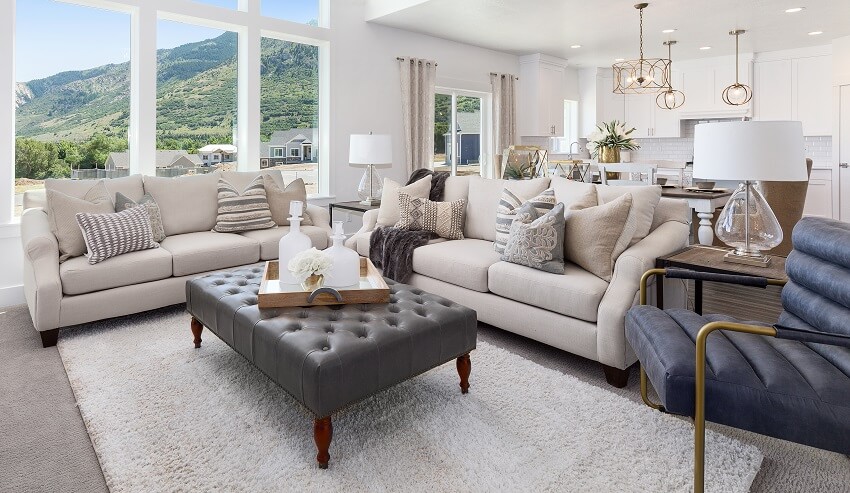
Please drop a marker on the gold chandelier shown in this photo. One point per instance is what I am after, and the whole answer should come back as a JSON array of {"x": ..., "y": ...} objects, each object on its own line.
[
  {"x": 644, "y": 74},
  {"x": 737, "y": 93},
  {"x": 670, "y": 99}
]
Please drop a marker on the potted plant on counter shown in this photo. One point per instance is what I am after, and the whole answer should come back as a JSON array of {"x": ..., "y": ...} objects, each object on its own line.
[{"x": 609, "y": 138}]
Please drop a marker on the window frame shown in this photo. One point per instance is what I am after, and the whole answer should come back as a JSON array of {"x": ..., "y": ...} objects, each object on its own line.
[{"x": 249, "y": 24}]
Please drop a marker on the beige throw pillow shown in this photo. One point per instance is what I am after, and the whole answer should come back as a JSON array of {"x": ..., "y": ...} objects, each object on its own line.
[
  {"x": 596, "y": 236},
  {"x": 443, "y": 218},
  {"x": 389, "y": 213},
  {"x": 62, "y": 210},
  {"x": 644, "y": 201},
  {"x": 280, "y": 198}
]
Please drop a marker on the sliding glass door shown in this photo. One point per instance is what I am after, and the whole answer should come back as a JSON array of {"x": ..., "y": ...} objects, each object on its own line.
[{"x": 461, "y": 120}]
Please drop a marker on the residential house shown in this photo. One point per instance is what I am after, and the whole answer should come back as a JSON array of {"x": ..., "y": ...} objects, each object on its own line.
[
  {"x": 164, "y": 159},
  {"x": 293, "y": 146},
  {"x": 215, "y": 154},
  {"x": 468, "y": 137}
]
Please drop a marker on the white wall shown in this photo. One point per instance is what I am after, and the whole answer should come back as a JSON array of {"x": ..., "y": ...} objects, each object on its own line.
[
  {"x": 365, "y": 89},
  {"x": 841, "y": 61},
  {"x": 11, "y": 266}
]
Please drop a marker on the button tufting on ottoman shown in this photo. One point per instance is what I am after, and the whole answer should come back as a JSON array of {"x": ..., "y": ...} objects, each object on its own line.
[{"x": 330, "y": 357}]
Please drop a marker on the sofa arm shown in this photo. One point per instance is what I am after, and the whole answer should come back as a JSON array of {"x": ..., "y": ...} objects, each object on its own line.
[
  {"x": 622, "y": 292},
  {"x": 370, "y": 220},
  {"x": 320, "y": 216},
  {"x": 42, "y": 285}
]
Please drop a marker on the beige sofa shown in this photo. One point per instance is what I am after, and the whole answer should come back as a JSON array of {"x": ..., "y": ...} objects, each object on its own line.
[
  {"x": 74, "y": 292},
  {"x": 577, "y": 311}
]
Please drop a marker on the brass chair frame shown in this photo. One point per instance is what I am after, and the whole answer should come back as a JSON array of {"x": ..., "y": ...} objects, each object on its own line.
[{"x": 699, "y": 401}]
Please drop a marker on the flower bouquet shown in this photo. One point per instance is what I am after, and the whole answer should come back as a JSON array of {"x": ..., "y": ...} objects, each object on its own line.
[
  {"x": 609, "y": 138},
  {"x": 309, "y": 268}
]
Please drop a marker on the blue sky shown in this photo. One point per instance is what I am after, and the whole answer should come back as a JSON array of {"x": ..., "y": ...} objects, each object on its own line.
[{"x": 53, "y": 37}]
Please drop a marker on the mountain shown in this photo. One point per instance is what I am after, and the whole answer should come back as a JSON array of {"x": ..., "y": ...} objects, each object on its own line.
[{"x": 196, "y": 94}]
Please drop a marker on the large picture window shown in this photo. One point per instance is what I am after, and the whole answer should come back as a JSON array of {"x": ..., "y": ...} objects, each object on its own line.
[
  {"x": 96, "y": 96},
  {"x": 460, "y": 132},
  {"x": 72, "y": 97}
]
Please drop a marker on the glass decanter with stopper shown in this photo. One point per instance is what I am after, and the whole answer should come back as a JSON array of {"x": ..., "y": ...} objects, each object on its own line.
[{"x": 292, "y": 243}]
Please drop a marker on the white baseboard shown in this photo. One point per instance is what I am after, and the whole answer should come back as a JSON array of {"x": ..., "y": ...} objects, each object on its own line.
[{"x": 12, "y": 296}]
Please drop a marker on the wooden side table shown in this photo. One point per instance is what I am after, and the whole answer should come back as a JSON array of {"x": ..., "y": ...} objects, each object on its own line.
[
  {"x": 703, "y": 258},
  {"x": 353, "y": 206}
]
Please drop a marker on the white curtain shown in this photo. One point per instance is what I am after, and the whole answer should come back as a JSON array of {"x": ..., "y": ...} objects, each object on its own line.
[
  {"x": 418, "y": 78},
  {"x": 504, "y": 117}
]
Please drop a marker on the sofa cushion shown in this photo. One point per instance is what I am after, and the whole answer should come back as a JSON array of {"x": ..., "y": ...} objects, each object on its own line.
[
  {"x": 389, "y": 212},
  {"x": 207, "y": 250},
  {"x": 361, "y": 244},
  {"x": 280, "y": 198},
  {"x": 80, "y": 277},
  {"x": 270, "y": 238},
  {"x": 241, "y": 179},
  {"x": 575, "y": 293},
  {"x": 484, "y": 197},
  {"x": 596, "y": 236},
  {"x": 61, "y": 214},
  {"x": 570, "y": 191},
  {"x": 456, "y": 188},
  {"x": 644, "y": 201},
  {"x": 130, "y": 186},
  {"x": 460, "y": 262},
  {"x": 188, "y": 203}
]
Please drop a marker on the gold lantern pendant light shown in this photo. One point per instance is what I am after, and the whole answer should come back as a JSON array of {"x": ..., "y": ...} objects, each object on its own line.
[
  {"x": 670, "y": 99},
  {"x": 644, "y": 74},
  {"x": 737, "y": 94}
]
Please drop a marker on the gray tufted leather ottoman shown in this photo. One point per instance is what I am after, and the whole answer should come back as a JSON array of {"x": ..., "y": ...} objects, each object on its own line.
[{"x": 330, "y": 357}]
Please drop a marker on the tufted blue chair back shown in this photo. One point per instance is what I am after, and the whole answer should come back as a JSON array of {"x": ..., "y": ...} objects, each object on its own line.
[{"x": 817, "y": 296}]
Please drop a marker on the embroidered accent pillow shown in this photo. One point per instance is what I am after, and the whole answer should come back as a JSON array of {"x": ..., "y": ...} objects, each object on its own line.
[
  {"x": 537, "y": 240},
  {"x": 280, "y": 198},
  {"x": 115, "y": 233},
  {"x": 244, "y": 211},
  {"x": 507, "y": 210},
  {"x": 122, "y": 203},
  {"x": 443, "y": 218},
  {"x": 390, "y": 210}
]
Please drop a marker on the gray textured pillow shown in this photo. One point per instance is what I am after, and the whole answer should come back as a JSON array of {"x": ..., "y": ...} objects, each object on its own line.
[
  {"x": 280, "y": 198},
  {"x": 443, "y": 218},
  {"x": 61, "y": 214},
  {"x": 116, "y": 233},
  {"x": 246, "y": 211},
  {"x": 596, "y": 236},
  {"x": 537, "y": 240},
  {"x": 507, "y": 211},
  {"x": 122, "y": 203}
]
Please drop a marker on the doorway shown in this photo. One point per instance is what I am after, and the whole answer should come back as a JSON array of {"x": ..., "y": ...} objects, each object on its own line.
[{"x": 844, "y": 153}]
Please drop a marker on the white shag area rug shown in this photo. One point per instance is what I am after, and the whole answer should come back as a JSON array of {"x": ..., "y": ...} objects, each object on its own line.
[{"x": 164, "y": 416}]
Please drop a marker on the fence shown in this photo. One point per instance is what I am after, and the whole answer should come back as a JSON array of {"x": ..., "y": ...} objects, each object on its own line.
[{"x": 94, "y": 174}]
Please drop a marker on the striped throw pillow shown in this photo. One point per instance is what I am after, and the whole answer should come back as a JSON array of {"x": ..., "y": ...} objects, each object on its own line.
[
  {"x": 244, "y": 211},
  {"x": 507, "y": 211},
  {"x": 112, "y": 234}
]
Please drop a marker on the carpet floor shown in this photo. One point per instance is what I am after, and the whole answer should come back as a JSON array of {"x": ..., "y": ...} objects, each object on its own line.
[
  {"x": 523, "y": 427},
  {"x": 45, "y": 446}
]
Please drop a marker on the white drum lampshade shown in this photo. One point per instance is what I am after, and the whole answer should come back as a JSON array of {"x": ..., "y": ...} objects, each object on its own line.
[
  {"x": 370, "y": 151},
  {"x": 749, "y": 151}
]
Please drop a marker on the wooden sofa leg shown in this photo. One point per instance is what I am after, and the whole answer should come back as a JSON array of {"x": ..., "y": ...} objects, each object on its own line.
[
  {"x": 197, "y": 329},
  {"x": 49, "y": 338},
  {"x": 615, "y": 376}
]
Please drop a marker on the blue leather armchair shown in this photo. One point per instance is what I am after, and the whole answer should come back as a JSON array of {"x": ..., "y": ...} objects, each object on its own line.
[{"x": 789, "y": 381}]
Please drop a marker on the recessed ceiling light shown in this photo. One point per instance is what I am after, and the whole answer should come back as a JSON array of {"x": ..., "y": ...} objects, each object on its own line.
[
  {"x": 815, "y": 33},
  {"x": 705, "y": 47},
  {"x": 794, "y": 10},
  {"x": 668, "y": 31},
  {"x": 619, "y": 59},
  {"x": 575, "y": 46}
]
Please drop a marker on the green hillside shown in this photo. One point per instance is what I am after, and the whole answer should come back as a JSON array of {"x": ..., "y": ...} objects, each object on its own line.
[{"x": 196, "y": 95}]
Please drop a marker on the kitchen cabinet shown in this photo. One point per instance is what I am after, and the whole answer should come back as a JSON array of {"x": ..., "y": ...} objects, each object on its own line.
[
  {"x": 611, "y": 106},
  {"x": 772, "y": 90},
  {"x": 819, "y": 194},
  {"x": 541, "y": 96},
  {"x": 648, "y": 119},
  {"x": 703, "y": 82},
  {"x": 812, "y": 94}
]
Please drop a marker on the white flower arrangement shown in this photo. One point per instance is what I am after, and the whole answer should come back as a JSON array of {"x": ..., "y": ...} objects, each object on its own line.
[{"x": 309, "y": 262}]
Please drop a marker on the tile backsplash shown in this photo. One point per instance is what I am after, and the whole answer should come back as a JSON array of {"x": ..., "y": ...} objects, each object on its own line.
[{"x": 819, "y": 148}]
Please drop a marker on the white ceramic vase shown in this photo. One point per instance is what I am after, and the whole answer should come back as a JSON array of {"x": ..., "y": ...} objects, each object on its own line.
[
  {"x": 292, "y": 243},
  {"x": 345, "y": 270}
]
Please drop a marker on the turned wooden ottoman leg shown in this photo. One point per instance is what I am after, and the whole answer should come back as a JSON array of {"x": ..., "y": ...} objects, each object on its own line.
[
  {"x": 464, "y": 368},
  {"x": 323, "y": 432},
  {"x": 197, "y": 328}
]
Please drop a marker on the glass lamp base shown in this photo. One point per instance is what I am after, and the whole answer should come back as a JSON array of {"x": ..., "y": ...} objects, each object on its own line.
[
  {"x": 370, "y": 187},
  {"x": 755, "y": 259},
  {"x": 748, "y": 225}
]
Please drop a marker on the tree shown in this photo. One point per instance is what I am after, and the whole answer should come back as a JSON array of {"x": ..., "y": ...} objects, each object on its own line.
[
  {"x": 38, "y": 160},
  {"x": 97, "y": 149}
]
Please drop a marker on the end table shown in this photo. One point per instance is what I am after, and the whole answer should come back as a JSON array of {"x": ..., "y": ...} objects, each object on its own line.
[{"x": 354, "y": 206}]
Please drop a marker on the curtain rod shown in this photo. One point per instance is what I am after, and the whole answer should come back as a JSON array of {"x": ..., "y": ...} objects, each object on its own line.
[
  {"x": 401, "y": 59},
  {"x": 503, "y": 75}
]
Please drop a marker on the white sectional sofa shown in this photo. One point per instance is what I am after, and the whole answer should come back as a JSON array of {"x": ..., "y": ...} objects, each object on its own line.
[
  {"x": 74, "y": 292},
  {"x": 577, "y": 311}
]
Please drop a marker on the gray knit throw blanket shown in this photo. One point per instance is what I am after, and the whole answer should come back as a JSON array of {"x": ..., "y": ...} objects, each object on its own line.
[{"x": 391, "y": 249}]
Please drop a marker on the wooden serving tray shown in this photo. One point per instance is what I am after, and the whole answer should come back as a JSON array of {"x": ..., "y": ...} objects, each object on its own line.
[{"x": 273, "y": 294}]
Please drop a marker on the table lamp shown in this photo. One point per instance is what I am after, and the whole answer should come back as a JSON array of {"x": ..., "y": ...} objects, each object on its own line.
[
  {"x": 749, "y": 151},
  {"x": 370, "y": 151}
]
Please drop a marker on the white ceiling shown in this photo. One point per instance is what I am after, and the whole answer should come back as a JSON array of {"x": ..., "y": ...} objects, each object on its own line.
[{"x": 608, "y": 29}]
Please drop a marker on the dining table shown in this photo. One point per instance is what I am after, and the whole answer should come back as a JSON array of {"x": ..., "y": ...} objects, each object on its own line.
[{"x": 704, "y": 203}]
